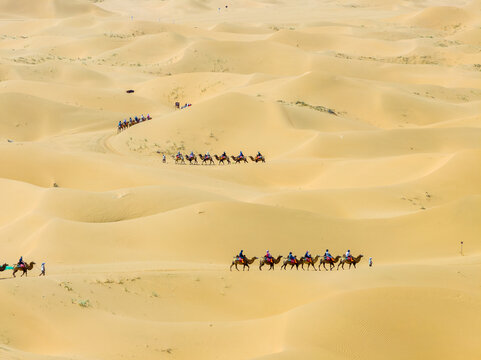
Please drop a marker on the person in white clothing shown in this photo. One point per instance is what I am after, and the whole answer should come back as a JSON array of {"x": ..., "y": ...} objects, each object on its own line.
[{"x": 42, "y": 269}]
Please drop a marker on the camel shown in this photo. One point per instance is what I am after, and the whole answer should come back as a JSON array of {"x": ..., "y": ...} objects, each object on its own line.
[
  {"x": 245, "y": 262},
  {"x": 221, "y": 159},
  {"x": 290, "y": 262},
  {"x": 178, "y": 158},
  {"x": 313, "y": 261},
  {"x": 23, "y": 268},
  {"x": 206, "y": 158},
  {"x": 3, "y": 267},
  {"x": 191, "y": 158},
  {"x": 331, "y": 262},
  {"x": 263, "y": 262},
  {"x": 258, "y": 158},
  {"x": 238, "y": 159},
  {"x": 123, "y": 126},
  {"x": 351, "y": 261}
]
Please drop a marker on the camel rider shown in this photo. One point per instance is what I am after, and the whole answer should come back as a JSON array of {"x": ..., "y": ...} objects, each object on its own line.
[
  {"x": 130, "y": 120},
  {"x": 207, "y": 155},
  {"x": 21, "y": 262},
  {"x": 308, "y": 256},
  {"x": 291, "y": 257},
  {"x": 348, "y": 255},
  {"x": 241, "y": 155},
  {"x": 120, "y": 124},
  {"x": 136, "y": 119},
  {"x": 224, "y": 155},
  {"x": 148, "y": 117},
  {"x": 241, "y": 256},
  {"x": 125, "y": 122},
  {"x": 191, "y": 155},
  {"x": 179, "y": 155},
  {"x": 327, "y": 256},
  {"x": 259, "y": 155},
  {"x": 268, "y": 256}
]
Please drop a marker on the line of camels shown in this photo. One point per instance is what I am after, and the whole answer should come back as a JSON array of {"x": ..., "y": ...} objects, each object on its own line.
[
  {"x": 207, "y": 159},
  {"x": 246, "y": 262},
  {"x": 17, "y": 268},
  {"x": 136, "y": 120}
]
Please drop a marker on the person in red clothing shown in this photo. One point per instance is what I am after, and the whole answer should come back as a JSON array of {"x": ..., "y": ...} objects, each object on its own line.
[{"x": 268, "y": 257}]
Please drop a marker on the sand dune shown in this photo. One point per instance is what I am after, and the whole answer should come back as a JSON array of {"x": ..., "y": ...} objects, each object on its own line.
[
  {"x": 368, "y": 114},
  {"x": 440, "y": 17},
  {"x": 50, "y": 9}
]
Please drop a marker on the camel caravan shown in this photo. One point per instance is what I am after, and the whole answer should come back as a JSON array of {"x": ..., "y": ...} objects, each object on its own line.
[
  {"x": 293, "y": 261},
  {"x": 23, "y": 267},
  {"x": 123, "y": 125},
  {"x": 207, "y": 159}
]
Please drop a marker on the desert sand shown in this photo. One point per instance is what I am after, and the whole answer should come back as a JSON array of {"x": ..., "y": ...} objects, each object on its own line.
[{"x": 369, "y": 115}]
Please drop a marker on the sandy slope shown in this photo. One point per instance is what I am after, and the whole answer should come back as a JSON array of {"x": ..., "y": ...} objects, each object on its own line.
[{"x": 369, "y": 114}]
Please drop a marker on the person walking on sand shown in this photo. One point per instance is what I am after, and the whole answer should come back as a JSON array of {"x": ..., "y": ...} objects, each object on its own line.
[
  {"x": 42, "y": 269},
  {"x": 370, "y": 261}
]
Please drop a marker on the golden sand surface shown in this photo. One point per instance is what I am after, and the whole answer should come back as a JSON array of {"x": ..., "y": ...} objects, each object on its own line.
[{"x": 369, "y": 115}]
